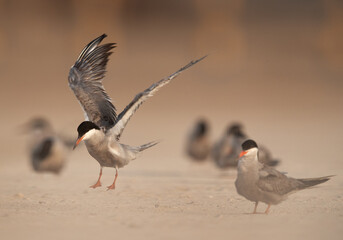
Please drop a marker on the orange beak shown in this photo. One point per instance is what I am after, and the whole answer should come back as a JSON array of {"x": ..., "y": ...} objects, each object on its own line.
[
  {"x": 78, "y": 141},
  {"x": 242, "y": 153}
]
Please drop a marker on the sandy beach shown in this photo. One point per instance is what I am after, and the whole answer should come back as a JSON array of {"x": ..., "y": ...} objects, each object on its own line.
[{"x": 172, "y": 203}]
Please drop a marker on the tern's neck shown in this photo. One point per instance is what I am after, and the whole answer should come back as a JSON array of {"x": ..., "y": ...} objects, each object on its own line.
[
  {"x": 251, "y": 155},
  {"x": 249, "y": 162},
  {"x": 94, "y": 136}
]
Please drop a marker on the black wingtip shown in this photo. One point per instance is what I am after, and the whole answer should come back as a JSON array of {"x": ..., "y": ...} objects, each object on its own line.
[
  {"x": 103, "y": 36},
  {"x": 90, "y": 46},
  {"x": 191, "y": 63},
  {"x": 97, "y": 40},
  {"x": 198, "y": 60},
  {"x": 202, "y": 58}
]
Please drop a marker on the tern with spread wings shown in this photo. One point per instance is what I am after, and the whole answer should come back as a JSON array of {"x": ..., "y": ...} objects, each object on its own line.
[{"x": 102, "y": 127}]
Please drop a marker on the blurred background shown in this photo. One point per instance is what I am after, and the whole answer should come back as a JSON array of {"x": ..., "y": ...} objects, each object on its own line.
[
  {"x": 273, "y": 65},
  {"x": 276, "y": 66}
]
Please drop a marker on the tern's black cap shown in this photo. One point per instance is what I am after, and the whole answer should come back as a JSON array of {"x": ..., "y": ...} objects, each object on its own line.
[
  {"x": 202, "y": 127},
  {"x": 249, "y": 144},
  {"x": 236, "y": 130},
  {"x": 38, "y": 123},
  {"x": 85, "y": 126}
]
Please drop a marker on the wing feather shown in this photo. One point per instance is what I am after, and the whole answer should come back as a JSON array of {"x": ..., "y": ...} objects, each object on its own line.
[
  {"x": 130, "y": 109},
  {"x": 274, "y": 181},
  {"x": 85, "y": 79}
]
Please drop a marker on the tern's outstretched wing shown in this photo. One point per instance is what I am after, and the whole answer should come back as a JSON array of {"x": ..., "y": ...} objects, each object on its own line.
[
  {"x": 130, "y": 109},
  {"x": 85, "y": 79}
]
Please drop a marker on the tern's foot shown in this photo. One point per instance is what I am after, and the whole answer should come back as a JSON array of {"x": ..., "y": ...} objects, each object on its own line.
[
  {"x": 111, "y": 187},
  {"x": 98, "y": 184}
]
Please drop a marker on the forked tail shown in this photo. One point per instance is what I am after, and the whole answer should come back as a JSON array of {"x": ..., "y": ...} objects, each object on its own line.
[
  {"x": 147, "y": 145},
  {"x": 309, "y": 182}
]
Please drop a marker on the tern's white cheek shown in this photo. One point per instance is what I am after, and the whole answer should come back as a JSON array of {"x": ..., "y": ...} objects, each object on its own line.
[
  {"x": 252, "y": 152},
  {"x": 89, "y": 134}
]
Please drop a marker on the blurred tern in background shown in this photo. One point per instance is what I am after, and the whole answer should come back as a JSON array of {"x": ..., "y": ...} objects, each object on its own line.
[
  {"x": 259, "y": 183},
  {"x": 198, "y": 144},
  {"x": 48, "y": 150},
  {"x": 102, "y": 128},
  {"x": 226, "y": 151}
]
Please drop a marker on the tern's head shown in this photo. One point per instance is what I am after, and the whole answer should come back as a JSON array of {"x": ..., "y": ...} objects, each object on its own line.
[
  {"x": 85, "y": 130},
  {"x": 250, "y": 148},
  {"x": 235, "y": 130},
  {"x": 201, "y": 127},
  {"x": 37, "y": 125}
]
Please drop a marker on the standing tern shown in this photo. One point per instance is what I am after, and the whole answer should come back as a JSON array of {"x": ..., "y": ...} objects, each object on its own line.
[
  {"x": 48, "y": 150},
  {"x": 198, "y": 143},
  {"x": 226, "y": 151},
  {"x": 102, "y": 128},
  {"x": 259, "y": 183}
]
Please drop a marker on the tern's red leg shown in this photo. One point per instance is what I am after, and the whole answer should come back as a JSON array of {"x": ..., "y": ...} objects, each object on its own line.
[
  {"x": 113, "y": 186},
  {"x": 267, "y": 210},
  {"x": 254, "y": 212},
  {"x": 98, "y": 183}
]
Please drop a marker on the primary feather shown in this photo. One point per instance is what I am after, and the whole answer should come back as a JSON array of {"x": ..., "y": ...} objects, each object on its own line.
[
  {"x": 271, "y": 180},
  {"x": 85, "y": 79},
  {"x": 133, "y": 106}
]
